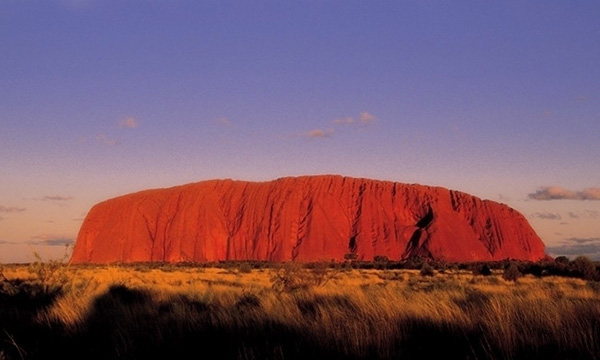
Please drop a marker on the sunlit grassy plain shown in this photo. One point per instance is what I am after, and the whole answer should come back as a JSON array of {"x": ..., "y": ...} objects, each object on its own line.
[{"x": 141, "y": 312}]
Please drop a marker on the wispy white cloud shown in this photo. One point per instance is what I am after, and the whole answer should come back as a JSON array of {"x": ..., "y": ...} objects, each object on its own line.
[
  {"x": 57, "y": 242},
  {"x": 546, "y": 216},
  {"x": 11, "y": 209},
  {"x": 559, "y": 193},
  {"x": 363, "y": 118},
  {"x": 587, "y": 214},
  {"x": 223, "y": 121},
  {"x": 594, "y": 214},
  {"x": 103, "y": 139},
  {"x": 51, "y": 240},
  {"x": 366, "y": 118},
  {"x": 54, "y": 198},
  {"x": 318, "y": 133},
  {"x": 582, "y": 240},
  {"x": 577, "y": 246},
  {"x": 590, "y": 194},
  {"x": 129, "y": 123},
  {"x": 502, "y": 197}
]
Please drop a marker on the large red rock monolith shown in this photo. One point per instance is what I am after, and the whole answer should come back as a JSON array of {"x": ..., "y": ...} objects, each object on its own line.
[{"x": 311, "y": 218}]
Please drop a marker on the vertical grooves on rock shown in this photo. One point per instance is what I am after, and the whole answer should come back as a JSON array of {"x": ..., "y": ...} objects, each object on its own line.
[
  {"x": 240, "y": 218},
  {"x": 398, "y": 229},
  {"x": 489, "y": 234},
  {"x": 271, "y": 230},
  {"x": 168, "y": 246},
  {"x": 358, "y": 205},
  {"x": 306, "y": 208},
  {"x": 304, "y": 218},
  {"x": 151, "y": 232}
]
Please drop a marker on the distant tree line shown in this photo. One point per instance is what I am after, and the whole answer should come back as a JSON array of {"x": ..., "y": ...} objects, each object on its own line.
[{"x": 581, "y": 267}]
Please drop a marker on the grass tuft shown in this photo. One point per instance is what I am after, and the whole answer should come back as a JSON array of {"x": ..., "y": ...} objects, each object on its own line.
[{"x": 294, "y": 312}]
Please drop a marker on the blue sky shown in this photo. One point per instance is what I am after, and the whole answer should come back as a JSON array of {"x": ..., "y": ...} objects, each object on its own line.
[{"x": 101, "y": 98}]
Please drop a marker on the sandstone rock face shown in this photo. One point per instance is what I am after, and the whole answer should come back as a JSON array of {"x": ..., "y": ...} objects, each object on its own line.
[{"x": 310, "y": 218}]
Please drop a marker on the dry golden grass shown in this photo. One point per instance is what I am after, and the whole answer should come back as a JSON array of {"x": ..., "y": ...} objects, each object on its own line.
[{"x": 129, "y": 312}]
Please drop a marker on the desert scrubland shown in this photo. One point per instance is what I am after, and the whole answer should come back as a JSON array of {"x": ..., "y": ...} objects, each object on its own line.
[{"x": 290, "y": 311}]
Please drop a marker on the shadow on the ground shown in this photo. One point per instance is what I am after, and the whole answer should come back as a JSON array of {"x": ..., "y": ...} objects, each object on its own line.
[{"x": 126, "y": 323}]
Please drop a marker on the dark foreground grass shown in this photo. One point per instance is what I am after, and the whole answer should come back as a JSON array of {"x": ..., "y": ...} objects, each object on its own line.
[{"x": 354, "y": 316}]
